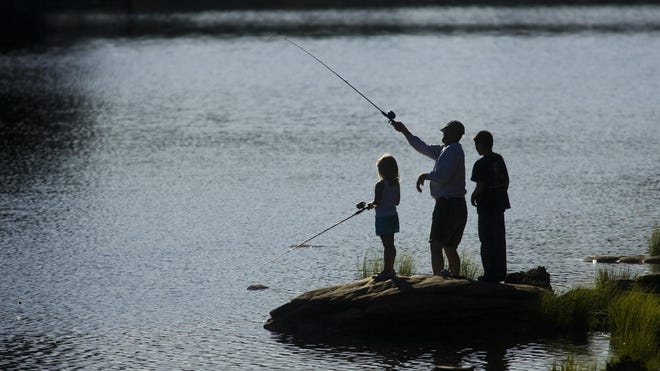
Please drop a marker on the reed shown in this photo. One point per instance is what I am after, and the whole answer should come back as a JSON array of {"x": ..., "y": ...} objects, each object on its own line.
[
  {"x": 654, "y": 242},
  {"x": 406, "y": 265},
  {"x": 369, "y": 265}
]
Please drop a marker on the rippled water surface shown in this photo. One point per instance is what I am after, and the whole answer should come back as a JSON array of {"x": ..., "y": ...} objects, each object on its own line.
[{"x": 149, "y": 177}]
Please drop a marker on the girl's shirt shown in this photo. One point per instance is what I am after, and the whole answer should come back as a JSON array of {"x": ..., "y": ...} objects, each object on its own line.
[{"x": 389, "y": 198}]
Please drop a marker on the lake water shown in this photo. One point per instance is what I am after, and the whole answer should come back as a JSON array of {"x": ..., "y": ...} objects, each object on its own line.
[{"x": 150, "y": 174}]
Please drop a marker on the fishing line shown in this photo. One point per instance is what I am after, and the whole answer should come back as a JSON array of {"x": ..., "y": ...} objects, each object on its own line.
[
  {"x": 259, "y": 287},
  {"x": 390, "y": 115}
]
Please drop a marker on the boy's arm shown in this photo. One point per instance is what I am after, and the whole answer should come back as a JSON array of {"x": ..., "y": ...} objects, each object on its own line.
[
  {"x": 478, "y": 177},
  {"x": 478, "y": 190}
]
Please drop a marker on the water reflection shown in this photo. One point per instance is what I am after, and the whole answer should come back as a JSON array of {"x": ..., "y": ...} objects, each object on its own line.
[
  {"x": 19, "y": 350},
  {"x": 486, "y": 352},
  {"x": 40, "y": 124}
]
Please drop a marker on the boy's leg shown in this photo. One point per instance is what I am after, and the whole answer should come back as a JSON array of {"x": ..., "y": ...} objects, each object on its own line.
[
  {"x": 486, "y": 261},
  {"x": 493, "y": 251},
  {"x": 499, "y": 255}
]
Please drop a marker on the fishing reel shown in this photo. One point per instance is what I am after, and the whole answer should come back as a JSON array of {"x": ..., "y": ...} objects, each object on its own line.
[{"x": 390, "y": 115}]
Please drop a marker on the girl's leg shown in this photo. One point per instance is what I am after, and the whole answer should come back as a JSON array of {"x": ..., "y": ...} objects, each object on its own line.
[{"x": 389, "y": 253}]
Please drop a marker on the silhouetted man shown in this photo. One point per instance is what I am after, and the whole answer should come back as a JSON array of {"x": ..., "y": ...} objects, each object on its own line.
[{"x": 448, "y": 189}]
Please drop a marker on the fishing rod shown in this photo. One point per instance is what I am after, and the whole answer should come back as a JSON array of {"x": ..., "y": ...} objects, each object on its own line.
[
  {"x": 360, "y": 209},
  {"x": 390, "y": 115}
]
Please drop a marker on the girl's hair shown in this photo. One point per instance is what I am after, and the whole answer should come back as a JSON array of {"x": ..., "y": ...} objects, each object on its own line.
[{"x": 387, "y": 168}]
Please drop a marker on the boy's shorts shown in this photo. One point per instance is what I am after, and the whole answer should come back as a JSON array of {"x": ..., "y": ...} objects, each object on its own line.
[
  {"x": 449, "y": 219},
  {"x": 388, "y": 224}
]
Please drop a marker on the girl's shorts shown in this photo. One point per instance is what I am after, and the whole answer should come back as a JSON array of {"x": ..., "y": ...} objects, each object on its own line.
[{"x": 388, "y": 224}]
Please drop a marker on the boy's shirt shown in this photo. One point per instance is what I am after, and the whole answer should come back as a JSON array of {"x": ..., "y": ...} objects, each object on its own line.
[{"x": 491, "y": 170}]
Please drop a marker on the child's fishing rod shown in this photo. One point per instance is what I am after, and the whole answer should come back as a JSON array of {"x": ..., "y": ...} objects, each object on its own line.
[
  {"x": 390, "y": 115},
  {"x": 361, "y": 208}
]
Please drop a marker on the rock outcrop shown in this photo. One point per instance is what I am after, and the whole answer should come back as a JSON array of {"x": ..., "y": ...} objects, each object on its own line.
[
  {"x": 410, "y": 305},
  {"x": 538, "y": 276}
]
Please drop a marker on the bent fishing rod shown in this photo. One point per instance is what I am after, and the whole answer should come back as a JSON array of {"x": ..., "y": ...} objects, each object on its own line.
[
  {"x": 390, "y": 115},
  {"x": 361, "y": 207}
]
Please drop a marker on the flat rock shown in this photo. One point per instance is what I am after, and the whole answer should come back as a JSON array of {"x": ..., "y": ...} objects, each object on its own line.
[{"x": 414, "y": 305}]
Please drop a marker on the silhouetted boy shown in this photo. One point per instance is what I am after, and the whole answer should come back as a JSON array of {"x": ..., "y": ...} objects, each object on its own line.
[{"x": 491, "y": 199}]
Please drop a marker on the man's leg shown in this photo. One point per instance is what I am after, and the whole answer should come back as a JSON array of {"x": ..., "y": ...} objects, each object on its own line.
[
  {"x": 437, "y": 260},
  {"x": 457, "y": 218}
]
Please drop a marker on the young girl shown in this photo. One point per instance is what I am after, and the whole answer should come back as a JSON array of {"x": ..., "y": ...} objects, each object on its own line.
[{"x": 386, "y": 198}]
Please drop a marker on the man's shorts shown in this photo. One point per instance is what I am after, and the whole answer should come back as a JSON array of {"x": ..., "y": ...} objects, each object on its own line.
[
  {"x": 449, "y": 219},
  {"x": 388, "y": 224}
]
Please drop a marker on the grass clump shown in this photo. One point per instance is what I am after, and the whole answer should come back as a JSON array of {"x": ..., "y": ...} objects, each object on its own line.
[
  {"x": 631, "y": 315},
  {"x": 654, "y": 242},
  {"x": 634, "y": 321},
  {"x": 370, "y": 265},
  {"x": 577, "y": 311},
  {"x": 584, "y": 309},
  {"x": 470, "y": 268}
]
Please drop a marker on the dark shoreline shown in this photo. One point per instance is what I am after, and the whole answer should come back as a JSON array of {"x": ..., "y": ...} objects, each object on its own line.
[
  {"x": 27, "y": 8},
  {"x": 35, "y": 21}
]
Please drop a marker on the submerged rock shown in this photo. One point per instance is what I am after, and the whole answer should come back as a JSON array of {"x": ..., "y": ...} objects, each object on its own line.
[
  {"x": 635, "y": 259},
  {"x": 413, "y": 305},
  {"x": 630, "y": 259},
  {"x": 602, "y": 259},
  {"x": 652, "y": 259}
]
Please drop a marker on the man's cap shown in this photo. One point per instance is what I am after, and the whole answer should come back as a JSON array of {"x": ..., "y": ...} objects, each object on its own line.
[{"x": 455, "y": 125}]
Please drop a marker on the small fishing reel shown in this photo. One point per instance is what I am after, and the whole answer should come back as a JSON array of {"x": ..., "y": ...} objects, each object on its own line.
[{"x": 391, "y": 115}]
